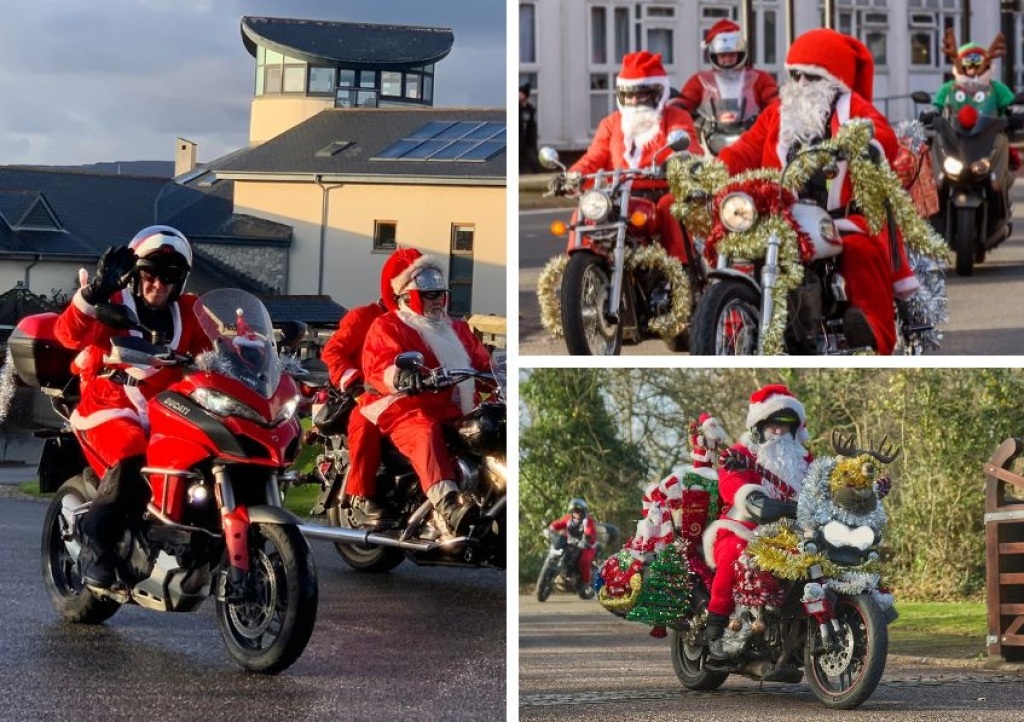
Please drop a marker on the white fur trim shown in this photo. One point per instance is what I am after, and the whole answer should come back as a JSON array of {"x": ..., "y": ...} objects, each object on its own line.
[
  {"x": 661, "y": 80},
  {"x": 389, "y": 377},
  {"x": 373, "y": 411},
  {"x": 711, "y": 534},
  {"x": 905, "y": 288},
  {"x": 346, "y": 378},
  {"x": 400, "y": 281},
  {"x": 705, "y": 472},
  {"x": 84, "y": 423},
  {"x": 82, "y": 305},
  {"x": 739, "y": 510}
]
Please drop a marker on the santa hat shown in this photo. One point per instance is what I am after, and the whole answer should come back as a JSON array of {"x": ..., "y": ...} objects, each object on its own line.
[
  {"x": 397, "y": 263},
  {"x": 771, "y": 399},
  {"x": 839, "y": 57},
  {"x": 971, "y": 49},
  {"x": 725, "y": 36},
  {"x": 643, "y": 68}
]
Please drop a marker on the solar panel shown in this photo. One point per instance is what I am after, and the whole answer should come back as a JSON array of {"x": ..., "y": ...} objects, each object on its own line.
[{"x": 464, "y": 140}]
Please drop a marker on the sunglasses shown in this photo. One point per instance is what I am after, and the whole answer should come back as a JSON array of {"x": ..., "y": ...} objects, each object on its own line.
[
  {"x": 798, "y": 75},
  {"x": 972, "y": 61},
  {"x": 168, "y": 277},
  {"x": 432, "y": 295}
]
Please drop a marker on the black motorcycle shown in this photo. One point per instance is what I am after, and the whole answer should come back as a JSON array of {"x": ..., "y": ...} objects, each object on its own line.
[
  {"x": 974, "y": 214},
  {"x": 560, "y": 571},
  {"x": 415, "y": 531}
]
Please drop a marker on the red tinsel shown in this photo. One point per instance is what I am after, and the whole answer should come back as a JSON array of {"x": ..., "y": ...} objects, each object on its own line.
[
  {"x": 659, "y": 632},
  {"x": 770, "y": 199},
  {"x": 756, "y": 588},
  {"x": 616, "y": 573}
]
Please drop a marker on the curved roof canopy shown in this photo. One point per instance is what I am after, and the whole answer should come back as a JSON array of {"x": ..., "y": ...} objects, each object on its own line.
[{"x": 351, "y": 45}]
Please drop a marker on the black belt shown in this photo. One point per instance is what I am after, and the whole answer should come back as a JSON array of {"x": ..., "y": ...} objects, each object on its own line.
[{"x": 120, "y": 376}]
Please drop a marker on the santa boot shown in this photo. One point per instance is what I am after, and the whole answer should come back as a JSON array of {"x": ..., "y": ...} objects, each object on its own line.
[{"x": 457, "y": 514}]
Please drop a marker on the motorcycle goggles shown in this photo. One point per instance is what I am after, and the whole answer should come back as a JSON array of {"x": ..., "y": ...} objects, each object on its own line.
[
  {"x": 798, "y": 75},
  {"x": 639, "y": 95},
  {"x": 972, "y": 61}
]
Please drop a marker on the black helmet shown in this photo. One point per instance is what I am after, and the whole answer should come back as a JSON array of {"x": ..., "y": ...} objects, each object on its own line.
[
  {"x": 577, "y": 504},
  {"x": 785, "y": 417}
]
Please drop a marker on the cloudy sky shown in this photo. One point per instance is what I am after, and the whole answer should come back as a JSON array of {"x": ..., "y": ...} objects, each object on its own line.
[{"x": 85, "y": 81}]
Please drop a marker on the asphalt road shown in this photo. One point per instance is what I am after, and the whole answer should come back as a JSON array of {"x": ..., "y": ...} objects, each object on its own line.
[
  {"x": 986, "y": 316},
  {"x": 416, "y": 644},
  {"x": 577, "y": 661}
]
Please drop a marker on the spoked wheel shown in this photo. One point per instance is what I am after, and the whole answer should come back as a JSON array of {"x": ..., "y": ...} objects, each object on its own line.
[
  {"x": 727, "y": 321},
  {"x": 585, "y": 288},
  {"x": 60, "y": 549},
  {"x": 846, "y": 674},
  {"x": 268, "y": 630},
  {"x": 689, "y": 656},
  {"x": 545, "y": 581},
  {"x": 363, "y": 557}
]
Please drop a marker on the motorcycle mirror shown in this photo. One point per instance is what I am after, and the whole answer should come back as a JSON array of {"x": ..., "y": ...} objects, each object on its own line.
[
  {"x": 548, "y": 157},
  {"x": 678, "y": 140},
  {"x": 117, "y": 316},
  {"x": 409, "y": 361},
  {"x": 919, "y": 96},
  {"x": 292, "y": 332}
]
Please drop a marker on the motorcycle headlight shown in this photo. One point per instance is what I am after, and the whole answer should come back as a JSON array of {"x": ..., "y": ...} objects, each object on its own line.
[
  {"x": 595, "y": 206},
  {"x": 981, "y": 167},
  {"x": 224, "y": 405},
  {"x": 952, "y": 166},
  {"x": 738, "y": 212},
  {"x": 288, "y": 410}
]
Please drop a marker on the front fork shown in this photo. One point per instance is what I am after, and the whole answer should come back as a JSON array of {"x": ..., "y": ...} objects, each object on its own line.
[
  {"x": 769, "y": 279},
  {"x": 235, "y": 520},
  {"x": 618, "y": 263}
]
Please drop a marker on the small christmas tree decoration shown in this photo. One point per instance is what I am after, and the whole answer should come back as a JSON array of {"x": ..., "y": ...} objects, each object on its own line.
[{"x": 666, "y": 595}]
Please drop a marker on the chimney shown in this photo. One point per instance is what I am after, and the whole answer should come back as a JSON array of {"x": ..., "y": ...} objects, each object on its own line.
[{"x": 184, "y": 156}]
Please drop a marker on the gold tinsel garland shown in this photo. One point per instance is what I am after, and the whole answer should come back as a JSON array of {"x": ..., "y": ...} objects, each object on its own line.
[
  {"x": 695, "y": 177},
  {"x": 624, "y": 603},
  {"x": 653, "y": 256},
  {"x": 778, "y": 553}
]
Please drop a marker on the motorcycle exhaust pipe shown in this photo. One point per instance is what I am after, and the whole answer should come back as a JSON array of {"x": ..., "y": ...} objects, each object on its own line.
[{"x": 366, "y": 537}]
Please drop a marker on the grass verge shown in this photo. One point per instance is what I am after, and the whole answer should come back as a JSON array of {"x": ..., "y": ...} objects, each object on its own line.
[{"x": 954, "y": 630}]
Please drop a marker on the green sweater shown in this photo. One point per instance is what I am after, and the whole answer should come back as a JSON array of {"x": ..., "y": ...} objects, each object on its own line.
[{"x": 1001, "y": 93}]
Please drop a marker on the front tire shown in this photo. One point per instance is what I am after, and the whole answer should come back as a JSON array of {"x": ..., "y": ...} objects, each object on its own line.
[
  {"x": 269, "y": 629},
  {"x": 585, "y": 288},
  {"x": 689, "y": 659},
  {"x": 545, "y": 581},
  {"x": 727, "y": 321},
  {"x": 844, "y": 677},
  {"x": 59, "y": 553},
  {"x": 964, "y": 241}
]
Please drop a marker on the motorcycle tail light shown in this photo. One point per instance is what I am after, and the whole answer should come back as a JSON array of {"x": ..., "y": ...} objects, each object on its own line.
[
  {"x": 638, "y": 219},
  {"x": 558, "y": 228}
]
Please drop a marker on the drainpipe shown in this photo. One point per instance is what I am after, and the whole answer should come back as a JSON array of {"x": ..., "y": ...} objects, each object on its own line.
[
  {"x": 324, "y": 203},
  {"x": 28, "y": 268}
]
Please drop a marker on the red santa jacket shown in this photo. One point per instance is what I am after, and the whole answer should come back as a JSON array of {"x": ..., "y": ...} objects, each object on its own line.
[
  {"x": 79, "y": 329},
  {"x": 756, "y": 87},
  {"x": 608, "y": 149},
  {"x": 343, "y": 353},
  {"x": 760, "y": 147},
  {"x": 389, "y": 336},
  {"x": 589, "y": 528}
]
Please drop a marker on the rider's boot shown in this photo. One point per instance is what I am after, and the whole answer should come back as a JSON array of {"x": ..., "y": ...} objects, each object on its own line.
[
  {"x": 713, "y": 639},
  {"x": 457, "y": 514},
  {"x": 367, "y": 512},
  {"x": 122, "y": 497},
  {"x": 857, "y": 329}
]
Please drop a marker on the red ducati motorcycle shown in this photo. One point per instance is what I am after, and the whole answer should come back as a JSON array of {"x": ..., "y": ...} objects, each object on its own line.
[{"x": 220, "y": 440}]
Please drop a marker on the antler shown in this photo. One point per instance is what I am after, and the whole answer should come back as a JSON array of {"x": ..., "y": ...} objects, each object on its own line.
[
  {"x": 885, "y": 453},
  {"x": 949, "y": 45},
  {"x": 998, "y": 48}
]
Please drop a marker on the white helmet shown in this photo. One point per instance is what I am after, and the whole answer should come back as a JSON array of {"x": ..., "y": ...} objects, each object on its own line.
[{"x": 165, "y": 251}]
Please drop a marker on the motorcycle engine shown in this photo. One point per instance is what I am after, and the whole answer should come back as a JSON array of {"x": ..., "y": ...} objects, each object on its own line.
[{"x": 483, "y": 429}]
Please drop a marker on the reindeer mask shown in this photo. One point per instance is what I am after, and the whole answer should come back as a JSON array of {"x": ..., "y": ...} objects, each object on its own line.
[{"x": 972, "y": 71}]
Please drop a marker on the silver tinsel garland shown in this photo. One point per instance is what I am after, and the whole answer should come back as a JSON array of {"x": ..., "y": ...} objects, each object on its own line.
[
  {"x": 816, "y": 508},
  {"x": 929, "y": 306}
]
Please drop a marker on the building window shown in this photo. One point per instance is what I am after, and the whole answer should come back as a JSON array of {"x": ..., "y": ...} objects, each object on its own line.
[
  {"x": 356, "y": 89},
  {"x": 277, "y": 73},
  {"x": 460, "y": 269},
  {"x": 384, "y": 233},
  {"x": 391, "y": 83},
  {"x": 321, "y": 81},
  {"x": 527, "y": 33},
  {"x": 600, "y": 98},
  {"x": 295, "y": 78},
  {"x": 598, "y": 36}
]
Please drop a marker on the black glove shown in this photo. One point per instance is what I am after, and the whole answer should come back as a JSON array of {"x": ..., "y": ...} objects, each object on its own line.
[
  {"x": 1014, "y": 122},
  {"x": 927, "y": 116},
  {"x": 409, "y": 380},
  {"x": 115, "y": 264},
  {"x": 764, "y": 509}
]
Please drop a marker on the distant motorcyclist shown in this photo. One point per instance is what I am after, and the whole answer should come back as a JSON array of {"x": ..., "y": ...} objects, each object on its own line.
[
  {"x": 577, "y": 528},
  {"x": 731, "y": 76},
  {"x": 632, "y": 136}
]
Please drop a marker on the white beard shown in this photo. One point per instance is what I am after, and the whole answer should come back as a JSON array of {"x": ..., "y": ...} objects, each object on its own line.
[
  {"x": 785, "y": 457},
  {"x": 804, "y": 110},
  {"x": 640, "y": 124},
  {"x": 443, "y": 341}
]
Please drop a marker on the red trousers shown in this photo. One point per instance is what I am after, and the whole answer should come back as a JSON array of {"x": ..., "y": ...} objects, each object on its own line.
[
  {"x": 671, "y": 231},
  {"x": 728, "y": 548},
  {"x": 586, "y": 562},
  {"x": 364, "y": 456},
  {"x": 868, "y": 271},
  {"x": 421, "y": 439},
  {"x": 110, "y": 442}
]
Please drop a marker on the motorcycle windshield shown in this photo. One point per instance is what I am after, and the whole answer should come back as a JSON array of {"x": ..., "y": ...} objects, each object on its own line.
[
  {"x": 498, "y": 368},
  {"x": 729, "y": 111},
  {"x": 243, "y": 339}
]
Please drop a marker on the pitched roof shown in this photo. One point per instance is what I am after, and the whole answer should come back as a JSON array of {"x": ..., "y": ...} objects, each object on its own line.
[
  {"x": 347, "y": 142},
  {"x": 314, "y": 310},
  {"x": 352, "y": 45}
]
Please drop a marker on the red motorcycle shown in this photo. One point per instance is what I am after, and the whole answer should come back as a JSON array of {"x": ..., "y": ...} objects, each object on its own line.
[{"x": 220, "y": 440}]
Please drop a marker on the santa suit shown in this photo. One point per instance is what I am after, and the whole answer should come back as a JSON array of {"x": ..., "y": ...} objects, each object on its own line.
[
  {"x": 756, "y": 88},
  {"x": 414, "y": 423},
  {"x": 866, "y": 260},
  {"x": 585, "y": 528},
  {"x": 343, "y": 355},
  {"x": 726, "y": 538},
  {"x": 610, "y": 150},
  {"x": 112, "y": 419}
]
